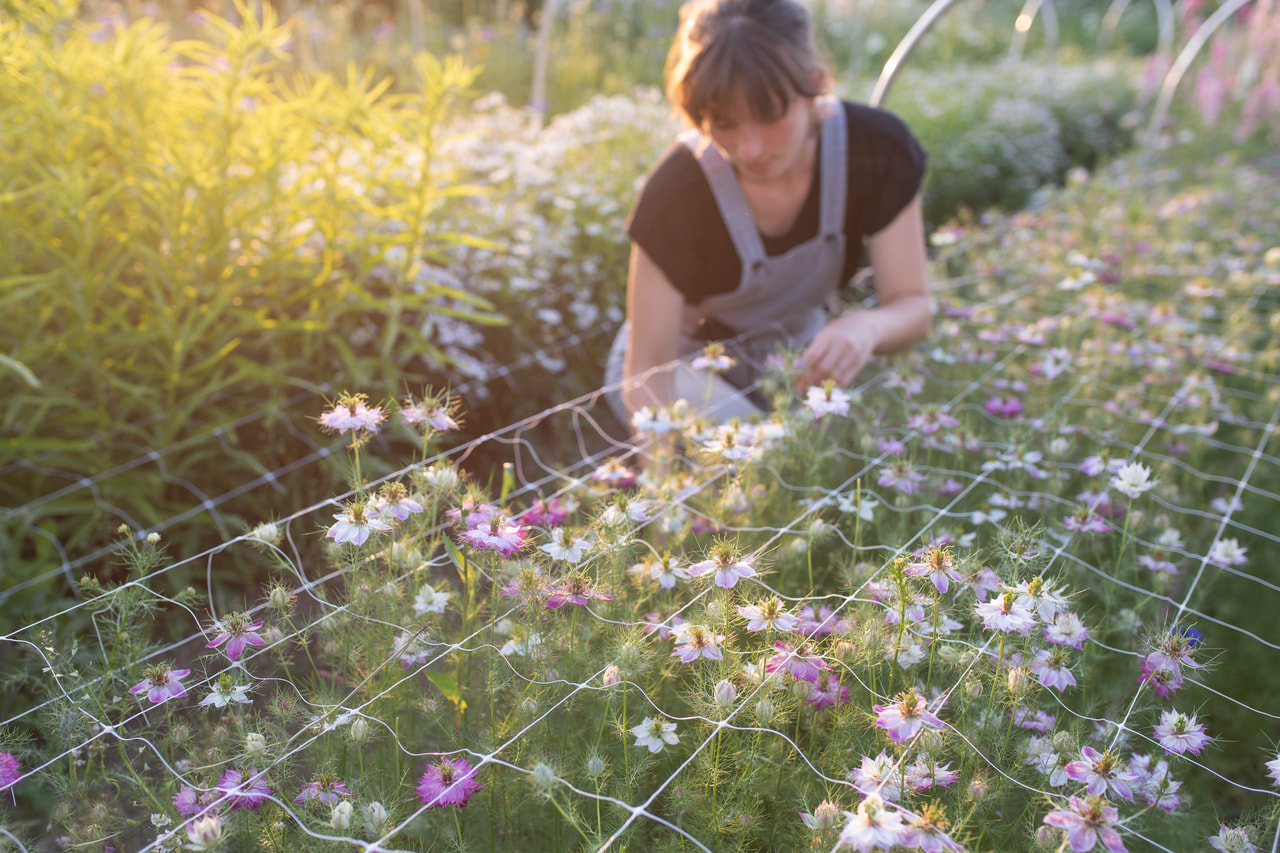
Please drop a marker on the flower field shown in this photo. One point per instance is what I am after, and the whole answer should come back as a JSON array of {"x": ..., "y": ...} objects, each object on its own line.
[{"x": 1012, "y": 591}]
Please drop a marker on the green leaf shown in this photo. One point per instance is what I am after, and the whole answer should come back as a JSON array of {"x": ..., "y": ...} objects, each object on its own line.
[
  {"x": 21, "y": 369},
  {"x": 448, "y": 687}
]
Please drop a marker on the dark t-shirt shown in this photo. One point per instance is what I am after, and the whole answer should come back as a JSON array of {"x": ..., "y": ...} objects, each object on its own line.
[{"x": 678, "y": 225}]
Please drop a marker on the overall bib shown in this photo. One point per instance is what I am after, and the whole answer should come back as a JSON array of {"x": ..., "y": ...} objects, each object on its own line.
[{"x": 779, "y": 299}]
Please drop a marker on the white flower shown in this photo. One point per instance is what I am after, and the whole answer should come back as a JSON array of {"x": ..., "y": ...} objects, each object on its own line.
[
  {"x": 826, "y": 401},
  {"x": 1227, "y": 552},
  {"x": 1133, "y": 479},
  {"x": 657, "y": 422},
  {"x": 865, "y": 508},
  {"x": 442, "y": 476},
  {"x": 255, "y": 744},
  {"x": 204, "y": 833},
  {"x": 223, "y": 694},
  {"x": 873, "y": 826},
  {"x": 655, "y": 734},
  {"x": 430, "y": 600},
  {"x": 376, "y": 819},
  {"x": 571, "y": 553}
]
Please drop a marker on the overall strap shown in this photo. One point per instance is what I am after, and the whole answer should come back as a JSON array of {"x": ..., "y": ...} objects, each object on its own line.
[
  {"x": 729, "y": 199},
  {"x": 835, "y": 169}
]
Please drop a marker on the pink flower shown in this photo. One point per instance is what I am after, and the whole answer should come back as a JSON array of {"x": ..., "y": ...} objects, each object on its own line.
[
  {"x": 162, "y": 684},
  {"x": 433, "y": 413},
  {"x": 449, "y": 783},
  {"x": 499, "y": 534},
  {"x": 695, "y": 641},
  {"x": 938, "y": 566},
  {"x": 1086, "y": 822},
  {"x": 1004, "y": 407},
  {"x": 578, "y": 590},
  {"x": 827, "y": 691},
  {"x": 237, "y": 632},
  {"x": 10, "y": 771},
  {"x": 1100, "y": 772},
  {"x": 545, "y": 513},
  {"x": 351, "y": 412},
  {"x": 325, "y": 789},
  {"x": 1051, "y": 668},
  {"x": 800, "y": 662},
  {"x": 827, "y": 400},
  {"x": 923, "y": 834},
  {"x": 904, "y": 718},
  {"x": 1273, "y": 770},
  {"x": 243, "y": 790},
  {"x": 1067, "y": 630},
  {"x": 874, "y": 826},
  {"x": 1181, "y": 734}
]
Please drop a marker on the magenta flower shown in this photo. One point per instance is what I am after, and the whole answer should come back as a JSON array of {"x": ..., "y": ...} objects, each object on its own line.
[
  {"x": 1087, "y": 822},
  {"x": 499, "y": 534},
  {"x": 1004, "y": 407},
  {"x": 1181, "y": 734},
  {"x": 1101, "y": 771},
  {"x": 241, "y": 790},
  {"x": 827, "y": 691},
  {"x": 449, "y": 783},
  {"x": 545, "y": 513},
  {"x": 1165, "y": 680},
  {"x": 9, "y": 770},
  {"x": 800, "y": 662},
  {"x": 325, "y": 789},
  {"x": 579, "y": 590},
  {"x": 237, "y": 632},
  {"x": 904, "y": 718},
  {"x": 429, "y": 412},
  {"x": 162, "y": 684}
]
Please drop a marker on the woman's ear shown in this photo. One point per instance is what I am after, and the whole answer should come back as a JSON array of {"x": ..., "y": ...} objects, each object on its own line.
[{"x": 818, "y": 80}]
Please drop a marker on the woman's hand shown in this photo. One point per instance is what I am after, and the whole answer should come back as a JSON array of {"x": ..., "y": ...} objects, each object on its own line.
[{"x": 840, "y": 350}]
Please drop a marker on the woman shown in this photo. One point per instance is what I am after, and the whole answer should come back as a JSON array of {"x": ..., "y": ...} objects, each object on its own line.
[{"x": 757, "y": 215}]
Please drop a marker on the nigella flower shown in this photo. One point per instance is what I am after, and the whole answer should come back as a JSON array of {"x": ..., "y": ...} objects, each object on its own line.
[
  {"x": 499, "y": 534},
  {"x": 728, "y": 568},
  {"x": 578, "y": 589},
  {"x": 1232, "y": 839},
  {"x": 666, "y": 571},
  {"x": 938, "y": 566},
  {"x": 1086, "y": 822},
  {"x": 355, "y": 524},
  {"x": 162, "y": 683},
  {"x": 771, "y": 614},
  {"x": 728, "y": 442},
  {"x": 827, "y": 691},
  {"x": 1050, "y": 667},
  {"x": 1273, "y": 770},
  {"x": 323, "y": 788},
  {"x": 1033, "y": 720},
  {"x": 657, "y": 422},
  {"x": 817, "y": 623},
  {"x": 226, "y": 692},
  {"x": 571, "y": 553},
  {"x": 10, "y": 770},
  {"x": 1004, "y": 407},
  {"x": 412, "y": 648},
  {"x": 614, "y": 474},
  {"x": 1101, "y": 771},
  {"x": 237, "y": 632},
  {"x": 1154, "y": 783},
  {"x": 905, "y": 717},
  {"x": 880, "y": 775},
  {"x": 925, "y": 774},
  {"x": 393, "y": 501},
  {"x": 449, "y": 783},
  {"x": 801, "y": 662},
  {"x": 713, "y": 358},
  {"x": 1004, "y": 613},
  {"x": 823, "y": 817},
  {"x": 241, "y": 790},
  {"x": 1040, "y": 597},
  {"x": 1227, "y": 552},
  {"x": 1133, "y": 479},
  {"x": 901, "y": 475},
  {"x": 188, "y": 800},
  {"x": 204, "y": 833},
  {"x": 430, "y": 600},
  {"x": 930, "y": 419},
  {"x": 438, "y": 413},
  {"x": 1181, "y": 734},
  {"x": 827, "y": 399},
  {"x": 874, "y": 826},
  {"x": 351, "y": 412},
  {"x": 695, "y": 641},
  {"x": 545, "y": 513},
  {"x": 655, "y": 734},
  {"x": 1086, "y": 521}
]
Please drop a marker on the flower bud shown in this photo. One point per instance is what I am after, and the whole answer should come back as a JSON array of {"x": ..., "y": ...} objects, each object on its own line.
[
  {"x": 1046, "y": 838},
  {"x": 359, "y": 730},
  {"x": 529, "y": 706},
  {"x": 949, "y": 654},
  {"x": 801, "y": 689},
  {"x": 279, "y": 598},
  {"x": 973, "y": 688},
  {"x": 595, "y": 766},
  {"x": 153, "y": 538},
  {"x": 978, "y": 789},
  {"x": 255, "y": 744},
  {"x": 544, "y": 777},
  {"x": 340, "y": 817},
  {"x": 724, "y": 694},
  {"x": 204, "y": 832},
  {"x": 1019, "y": 681},
  {"x": 612, "y": 675},
  {"x": 764, "y": 711},
  {"x": 376, "y": 818},
  {"x": 715, "y": 613}
]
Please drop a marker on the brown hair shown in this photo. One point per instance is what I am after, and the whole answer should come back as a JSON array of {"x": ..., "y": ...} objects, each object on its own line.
[{"x": 764, "y": 48}]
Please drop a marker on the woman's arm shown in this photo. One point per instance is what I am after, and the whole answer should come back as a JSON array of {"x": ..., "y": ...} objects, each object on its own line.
[
  {"x": 900, "y": 319},
  {"x": 654, "y": 311}
]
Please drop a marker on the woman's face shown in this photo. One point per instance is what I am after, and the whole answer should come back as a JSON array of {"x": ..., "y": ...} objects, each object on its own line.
[{"x": 763, "y": 151}]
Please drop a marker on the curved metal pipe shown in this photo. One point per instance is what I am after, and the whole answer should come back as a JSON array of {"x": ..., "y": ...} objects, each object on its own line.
[
  {"x": 1111, "y": 20},
  {"x": 1184, "y": 60},
  {"x": 900, "y": 53},
  {"x": 1026, "y": 18}
]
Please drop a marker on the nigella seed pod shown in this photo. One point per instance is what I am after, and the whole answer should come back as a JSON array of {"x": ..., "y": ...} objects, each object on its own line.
[
  {"x": 1019, "y": 681},
  {"x": 973, "y": 689},
  {"x": 544, "y": 777},
  {"x": 724, "y": 694},
  {"x": 1046, "y": 838},
  {"x": 595, "y": 766},
  {"x": 764, "y": 710}
]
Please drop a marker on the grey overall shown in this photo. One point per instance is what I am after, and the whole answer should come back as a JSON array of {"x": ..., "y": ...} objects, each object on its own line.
[{"x": 779, "y": 301}]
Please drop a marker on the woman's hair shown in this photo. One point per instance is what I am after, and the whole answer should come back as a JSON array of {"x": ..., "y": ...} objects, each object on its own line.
[{"x": 763, "y": 48}]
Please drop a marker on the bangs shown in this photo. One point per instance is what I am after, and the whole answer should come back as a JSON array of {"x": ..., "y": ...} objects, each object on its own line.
[{"x": 745, "y": 63}]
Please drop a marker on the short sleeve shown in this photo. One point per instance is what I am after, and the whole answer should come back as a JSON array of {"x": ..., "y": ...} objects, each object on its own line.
[
  {"x": 676, "y": 222},
  {"x": 891, "y": 163}
]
